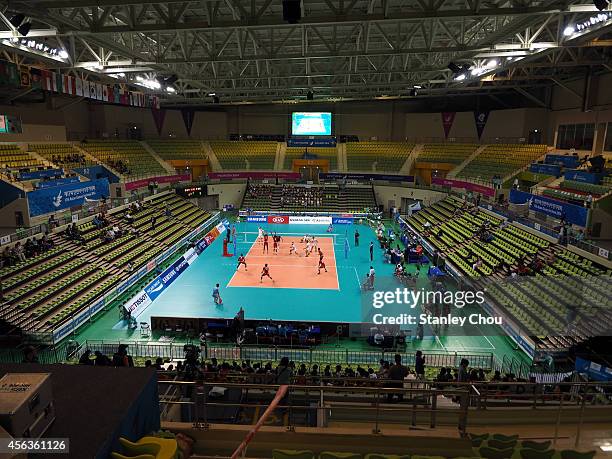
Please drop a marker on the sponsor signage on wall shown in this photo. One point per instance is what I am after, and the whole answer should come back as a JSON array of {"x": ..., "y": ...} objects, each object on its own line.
[
  {"x": 306, "y": 142},
  {"x": 557, "y": 209},
  {"x": 342, "y": 220},
  {"x": 37, "y": 175},
  {"x": 307, "y": 220},
  {"x": 162, "y": 179},
  {"x": 278, "y": 219},
  {"x": 49, "y": 200},
  {"x": 256, "y": 219},
  {"x": 253, "y": 175},
  {"x": 467, "y": 186}
]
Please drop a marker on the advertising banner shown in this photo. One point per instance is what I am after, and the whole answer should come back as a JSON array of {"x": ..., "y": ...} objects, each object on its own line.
[
  {"x": 342, "y": 220},
  {"x": 253, "y": 175},
  {"x": 49, "y": 200},
  {"x": 161, "y": 179},
  {"x": 57, "y": 182},
  {"x": 278, "y": 219},
  {"x": 468, "y": 186},
  {"x": 97, "y": 172},
  {"x": 563, "y": 160},
  {"x": 37, "y": 175},
  {"x": 557, "y": 209},
  {"x": 257, "y": 219},
  {"x": 302, "y": 142},
  {"x": 387, "y": 177},
  {"x": 583, "y": 176},
  {"x": 306, "y": 220},
  {"x": 548, "y": 169}
]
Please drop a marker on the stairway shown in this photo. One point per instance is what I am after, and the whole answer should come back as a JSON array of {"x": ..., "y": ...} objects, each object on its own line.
[
  {"x": 97, "y": 161},
  {"x": 279, "y": 159},
  {"x": 411, "y": 159},
  {"x": 167, "y": 167},
  {"x": 453, "y": 173},
  {"x": 213, "y": 161}
]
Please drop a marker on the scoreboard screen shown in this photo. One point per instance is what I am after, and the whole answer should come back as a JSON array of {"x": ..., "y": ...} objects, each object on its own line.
[{"x": 196, "y": 191}]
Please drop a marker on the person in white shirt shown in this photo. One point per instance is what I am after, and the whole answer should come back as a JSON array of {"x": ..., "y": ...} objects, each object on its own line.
[{"x": 371, "y": 275}]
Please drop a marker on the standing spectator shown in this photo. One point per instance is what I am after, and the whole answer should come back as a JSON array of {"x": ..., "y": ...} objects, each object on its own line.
[
  {"x": 397, "y": 373},
  {"x": 371, "y": 252},
  {"x": 29, "y": 355},
  {"x": 356, "y": 238},
  {"x": 419, "y": 365},
  {"x": 463, "y": 374}
]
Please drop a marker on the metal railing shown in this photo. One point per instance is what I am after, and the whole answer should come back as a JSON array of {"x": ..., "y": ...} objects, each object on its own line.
[{"x": 298, "y": 354}]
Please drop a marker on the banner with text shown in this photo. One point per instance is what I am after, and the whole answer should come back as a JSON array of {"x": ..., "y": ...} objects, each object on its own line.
[
  {"x": 563, "y": 160},
  {"x": 583, "y": 176},
  {"x": 57, "y": 182},
  {"x": 37, "y": 175},
  {"x": 548, "y": 169},
  {"x": 49, "y": 200},
  {"x": 162, "y": 179},
  {"x": 253, "y": 175},
  {"x": 305, "y": 142},
  {"x": 556, "y": 209},
  {"x": 467, "y": 186},
  {"x": 389, "y": 178}
]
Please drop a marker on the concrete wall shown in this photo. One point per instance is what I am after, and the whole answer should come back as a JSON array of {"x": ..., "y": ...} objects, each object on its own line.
[
  {"x": 229, "y": 193},
  {"x": 502, "y": 124},
  {"x": 386, "y": 193}
]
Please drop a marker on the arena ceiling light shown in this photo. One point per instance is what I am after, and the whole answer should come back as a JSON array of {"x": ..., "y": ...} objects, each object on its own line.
[{"x": 29, "y": 45}]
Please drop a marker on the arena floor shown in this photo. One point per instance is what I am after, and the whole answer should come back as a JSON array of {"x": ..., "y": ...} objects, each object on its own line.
[{"x": 298, "y": 293}]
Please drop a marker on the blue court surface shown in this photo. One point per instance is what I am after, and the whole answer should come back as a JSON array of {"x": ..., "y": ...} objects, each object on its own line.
[{"x": 191, "y": 294}]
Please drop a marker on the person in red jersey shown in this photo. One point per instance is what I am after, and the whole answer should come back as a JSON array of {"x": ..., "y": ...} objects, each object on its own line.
[
  {"x": 266, "y": 246},
  {"x": 241, "y": 261},
  {"x": 265, "y": 272}
]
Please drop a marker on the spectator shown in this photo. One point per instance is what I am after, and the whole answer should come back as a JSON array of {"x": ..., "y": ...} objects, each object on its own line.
[
  {"x": 283, "y": 372},
  {"x": 419, "y": 365},
  {"x": 463, "y": 375},
  {"x": 397, "y": 373},
  {"x": 121, "y": 357},
  {"x": 86, "y": 358}
]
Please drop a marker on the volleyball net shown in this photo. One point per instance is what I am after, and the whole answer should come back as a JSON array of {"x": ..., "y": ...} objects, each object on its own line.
[{"x": 251, "y": 237}]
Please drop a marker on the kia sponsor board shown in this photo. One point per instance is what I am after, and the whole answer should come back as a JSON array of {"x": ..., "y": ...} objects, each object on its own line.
[{"x": 278, "y": 219}]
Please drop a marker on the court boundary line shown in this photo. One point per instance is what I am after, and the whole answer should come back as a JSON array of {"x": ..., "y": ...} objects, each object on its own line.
[{"x": 338, "y": 289}]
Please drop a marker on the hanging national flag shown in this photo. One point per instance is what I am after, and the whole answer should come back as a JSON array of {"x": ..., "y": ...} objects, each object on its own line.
[
  {"x": 36, "y": 78},
  {"x": 92, "y": 90},
  {"x": 98, "y": 91},
  {"x": 116, "y": 94},
  {"x": 105, "y": 93},
  {"x": 54, "y": 78},
  {"x": 24, "y": 77},
  {"x": 46, "y": 80},
  {"x": 78, "y": 86}
]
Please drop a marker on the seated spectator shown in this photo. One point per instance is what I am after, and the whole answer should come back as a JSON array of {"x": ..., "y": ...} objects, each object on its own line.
[{"x": 128, "y": 217}]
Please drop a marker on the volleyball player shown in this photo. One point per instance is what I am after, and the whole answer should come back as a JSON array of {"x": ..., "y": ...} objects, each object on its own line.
[
  {"x": 321, "y": 263},
  {"x": 217, "y": 296},
  {"x": 241, "y": 261},
  {"x": 275, "y": 242},
  {"x": 265, "y": 272},
  {"x": 266, "y": 247},
  {"x": 293, "y": 249}
]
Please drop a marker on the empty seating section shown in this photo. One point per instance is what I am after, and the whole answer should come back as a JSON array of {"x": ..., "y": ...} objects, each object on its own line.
[
  {"x": 566, "y": 284},
  {"x": 331, "y": 154},
  {"x": 45, "y": 290},
  {"x": 581, "y": 187},
  {"x": 125, "y": 153},
  {"x": 14, "y": 158},
  {"x": 488, "y": 446},
  {"x": 446, "y": 152},
  {"x": 245, "y": 155},
  {"x": 328, "y": 198},
  {"x": 501, "y": 160},
  {"x": 62, "y": 154},
  {"x": 377, "y": 156},
  {"x": 178, "y": 149}
]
